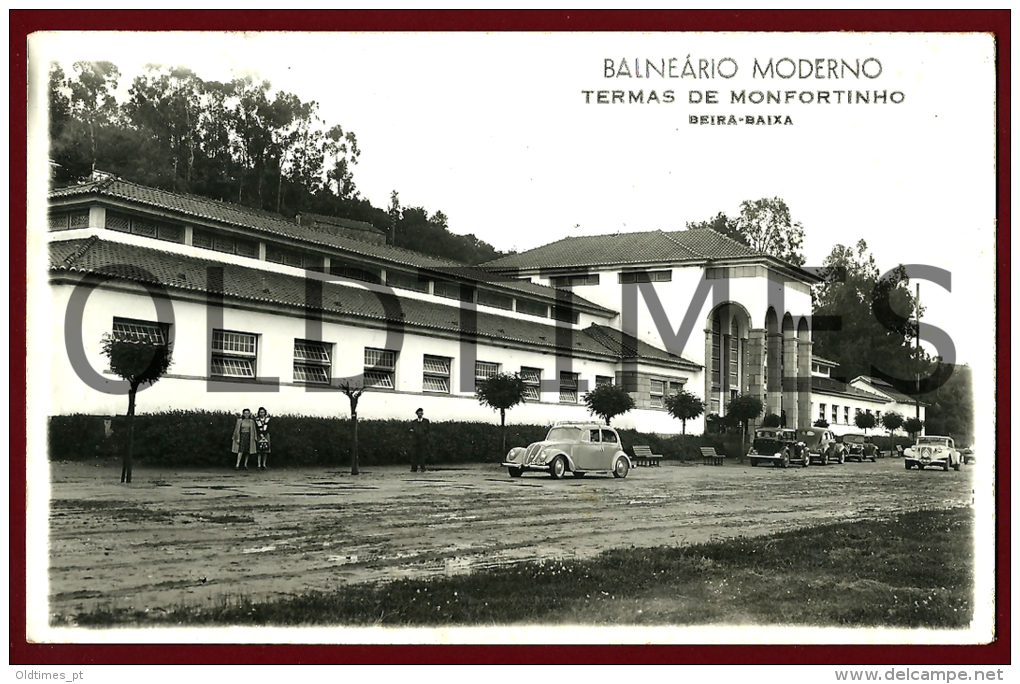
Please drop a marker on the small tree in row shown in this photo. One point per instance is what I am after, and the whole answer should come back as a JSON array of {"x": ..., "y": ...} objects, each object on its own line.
[
  {"x": 501, "y": 392},
  {"x": 684, "y": 406},
  {"x": 140, "y": 360},
  {"x": 864, "y": 421},
  {"x": 913, "y": 426},
  {"x": 744, "y": 407},
  {"x": 608, "y": 401},
  {"x": 892, "y": 422}
]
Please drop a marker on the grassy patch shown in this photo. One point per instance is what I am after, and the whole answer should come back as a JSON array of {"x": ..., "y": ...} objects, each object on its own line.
[{"x": 911, "y": 571}]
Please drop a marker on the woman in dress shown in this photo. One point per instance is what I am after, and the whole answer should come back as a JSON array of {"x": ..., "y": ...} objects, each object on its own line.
[
  {"x": 244, "y": 438},
  {"x": 262, "y": 437}
]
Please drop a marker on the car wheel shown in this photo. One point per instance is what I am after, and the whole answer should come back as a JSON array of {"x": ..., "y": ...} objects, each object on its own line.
[
  {"x": 578, "y": 473},
  {"x": 784, "y": 462},
  {"x": 515, "y": 472},
  {"x": 754, "y": 463},
  {"x": 621, "y": 467},
  {"x": 906, "y": 465},
  {"x": 557, "y": 467},
  {"x": 842, "y": 458},
  {"x": 945, "y": 466},
  {"x": 956, "y": 466},
  {"x": 806, "y": 462}
]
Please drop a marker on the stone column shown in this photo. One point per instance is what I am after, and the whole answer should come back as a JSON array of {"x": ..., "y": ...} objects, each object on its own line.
[
  {"x": 775, "y": 380},
  {"x": 790, "y": 403},
  {"x": 708, "y": 370},
  {"x": 754, "y": 368},
  {"x": 804, "y": 382}
]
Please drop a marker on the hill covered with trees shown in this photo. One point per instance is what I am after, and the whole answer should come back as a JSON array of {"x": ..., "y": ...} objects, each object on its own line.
[{"x": 239, "y": 141}]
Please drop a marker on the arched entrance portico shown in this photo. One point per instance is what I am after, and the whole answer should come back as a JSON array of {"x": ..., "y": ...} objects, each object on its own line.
[{"x": 726, "y": 356}]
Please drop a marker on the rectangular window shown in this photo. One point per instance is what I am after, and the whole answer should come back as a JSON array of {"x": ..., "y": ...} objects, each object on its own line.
[
  {"x": 568, "y": 387},
  {"x": 450, "y": 290},
  {"x": 603, "y": 380},
  {"x": 365, "y": 274},
  {"x": 835, "y": 414},
  {"x": 144, "y": 227},
  {"x": 199, "y": 238},
  {"x": 246, "y": 248},
  {"x": 78, "y": 219},
  {"x": 574, "y": 280},
  {"x": 532, "y": 308},
  {"x": 532, "y": 378},
  {"x": 846, "y": 415},
  {"x": 733, "y": 364},
  {"x": 130, "y": 330},
  {"x": 407, "y": 281},
  {"x": 657, "y": 394},
  {"x": 485, "y": 370},
  {"x": 234, "y": 354},
  {"x": 628, "y": 277},
  {"x": 436, "y": 374},
  {"x": 675, "y": 387},
  {"x": 821, "y": 411},
  {"x": 312, "y": 361},
  {"x": 495, "y": 300},
  {"x": 380, "y": 367},
  {"x": 878, "y": 417},
  {"x": 716, "y": 354},
  {"x": 566, "y": 314}
]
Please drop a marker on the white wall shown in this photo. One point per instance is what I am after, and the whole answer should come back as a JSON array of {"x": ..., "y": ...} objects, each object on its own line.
[{"x": 186, "y": 386}]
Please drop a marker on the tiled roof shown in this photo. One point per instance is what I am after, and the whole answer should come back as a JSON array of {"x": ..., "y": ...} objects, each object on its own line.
[
  {"x": 177, "y": 272},
  {"x": 273, "y": 224},
  {"x": 626, "y": 248},
  {"x": 627, "y": 347},
  {"x": 884, "y": 387},
  {"x": 306, "y": 216},
  {"x": 833, "y": 386}
]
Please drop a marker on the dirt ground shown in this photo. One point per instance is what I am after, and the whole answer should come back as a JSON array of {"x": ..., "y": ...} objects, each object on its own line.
[{"x": 192, "y": 536}]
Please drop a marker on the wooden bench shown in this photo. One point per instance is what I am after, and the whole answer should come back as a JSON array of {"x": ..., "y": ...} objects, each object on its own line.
[
  {"x": 710, "y": 457},
  {"x": 643, "y": 456}
]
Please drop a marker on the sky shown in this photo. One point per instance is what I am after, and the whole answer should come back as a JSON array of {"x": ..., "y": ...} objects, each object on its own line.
[{"x": 494, "y": 130}]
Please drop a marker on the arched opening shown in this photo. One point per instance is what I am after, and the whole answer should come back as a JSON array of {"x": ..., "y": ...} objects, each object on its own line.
[
  {"x": 789, "y": 409},
  {"x": 773, "y": 363},
  {"x": 726, "y": 352},
  {"x": 805, "y": 408}
]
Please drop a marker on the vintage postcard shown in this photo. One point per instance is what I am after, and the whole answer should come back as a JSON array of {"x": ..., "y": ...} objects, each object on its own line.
[{"x": 473, "y": 337}]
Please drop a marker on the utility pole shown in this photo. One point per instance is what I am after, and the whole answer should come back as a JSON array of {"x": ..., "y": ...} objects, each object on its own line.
[{"x": 917, "y": 359}]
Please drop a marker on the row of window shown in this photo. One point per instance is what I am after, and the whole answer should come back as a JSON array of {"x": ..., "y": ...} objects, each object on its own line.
[
  {"x": 310, "y": 261},
  {"x": 846, "y": 414},
  {"x": 625, "y": 278},
  {"x": 234, "y": 354}
]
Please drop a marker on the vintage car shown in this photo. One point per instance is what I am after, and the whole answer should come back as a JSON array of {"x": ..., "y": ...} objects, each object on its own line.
[
  {"x": 821, "y": 446},
  {"x": 967, "y": 455},
  {"x": 859, "y": 448},
  {"x": 579, "y": 448},
  {"x": 932, "y": 450},
  {"x": 778, "y": 446}
]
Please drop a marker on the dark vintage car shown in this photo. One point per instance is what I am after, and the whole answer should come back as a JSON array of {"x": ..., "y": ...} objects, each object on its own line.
[
  {"x": 821, "y": 446},
  {"x": 577, "y": 447},
  {"x": 778, "y": 446},
  {"x": 859, "y": 448}
]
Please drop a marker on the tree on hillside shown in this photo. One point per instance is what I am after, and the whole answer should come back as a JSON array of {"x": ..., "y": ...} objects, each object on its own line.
[
  {"x": 764, "y": 225},
  {"x": 742, "y": 408},
  {"x": 140, "y": 358},
  {"x": 684, "y": 406},
  {"x": 501, "y": 392},
  {"x": 353, "y": 393},
  {"x": 951, "y": 406},
  {"x": 608, "y": 401},
  {"x": 851, "y": 289},
  {"x": 864, "y": 421}
]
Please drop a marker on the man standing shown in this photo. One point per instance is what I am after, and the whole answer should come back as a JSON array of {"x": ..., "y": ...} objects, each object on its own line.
[{"x": 419, "y": 441}]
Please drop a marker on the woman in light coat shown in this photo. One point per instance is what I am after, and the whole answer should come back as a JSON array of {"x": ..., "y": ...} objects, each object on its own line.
[{"x": 244, "y": 438}]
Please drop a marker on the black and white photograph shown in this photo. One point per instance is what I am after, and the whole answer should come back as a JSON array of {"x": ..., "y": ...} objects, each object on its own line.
[{"x": 511, "y": 338}]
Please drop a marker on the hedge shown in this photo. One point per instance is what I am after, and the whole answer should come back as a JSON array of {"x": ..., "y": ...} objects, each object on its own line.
[{"x": 203, "y": 438}]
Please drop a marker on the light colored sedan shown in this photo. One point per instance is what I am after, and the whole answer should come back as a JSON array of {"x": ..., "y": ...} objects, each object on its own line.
[{"x": 579, "y": 448}]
